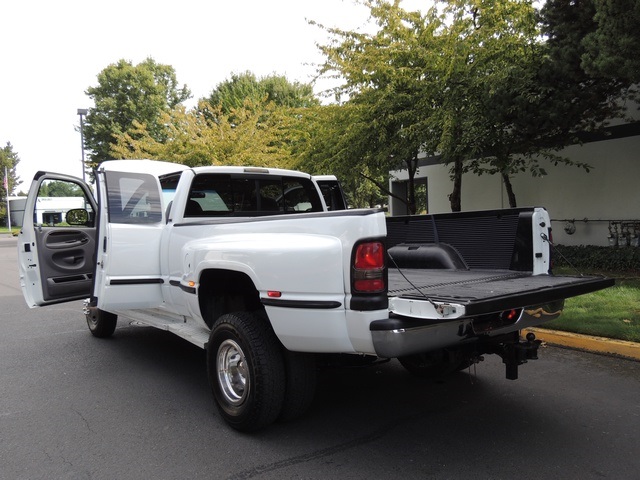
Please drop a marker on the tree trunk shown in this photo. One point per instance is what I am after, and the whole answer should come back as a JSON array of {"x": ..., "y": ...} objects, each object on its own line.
[
  {"x": 383, "y": 189},
  {"x": 411, "y": 191},
  {"x": 456, "y": 195},
  {"x": 509, "y": 187}
]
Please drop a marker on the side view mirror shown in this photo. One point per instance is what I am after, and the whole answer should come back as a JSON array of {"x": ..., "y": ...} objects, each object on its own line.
[{"x": 77, "y": 216}]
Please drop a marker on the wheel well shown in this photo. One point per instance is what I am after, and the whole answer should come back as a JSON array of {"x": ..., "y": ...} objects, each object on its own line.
[{"x": 225, "y": 291}]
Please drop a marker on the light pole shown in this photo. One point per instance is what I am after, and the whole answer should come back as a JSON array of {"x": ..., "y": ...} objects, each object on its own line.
[{"x": 82, "y": 112}]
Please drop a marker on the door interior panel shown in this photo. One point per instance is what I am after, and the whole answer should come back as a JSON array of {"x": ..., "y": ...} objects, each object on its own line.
[
  {"x": 65, "y": 239},
  {"x": 66, "y": 261}
]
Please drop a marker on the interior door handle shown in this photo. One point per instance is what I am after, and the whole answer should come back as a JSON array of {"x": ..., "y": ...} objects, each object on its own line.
[
  {"x": 74, "y": 243},
  {"x": 67, "y": 243}
]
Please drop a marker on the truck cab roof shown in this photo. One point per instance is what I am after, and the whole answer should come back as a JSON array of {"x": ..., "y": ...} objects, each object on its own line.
[{"x": 161, "y": 168}]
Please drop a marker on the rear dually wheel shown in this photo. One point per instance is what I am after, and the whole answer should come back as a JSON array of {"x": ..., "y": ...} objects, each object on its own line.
[{"x": 246, "y": 370}]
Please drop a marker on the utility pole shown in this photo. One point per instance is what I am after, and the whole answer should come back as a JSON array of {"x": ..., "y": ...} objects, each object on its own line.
[{"x": 82, "y": 112}]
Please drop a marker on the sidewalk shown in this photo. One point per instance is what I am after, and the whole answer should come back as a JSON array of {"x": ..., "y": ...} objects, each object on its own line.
[{"x": 601, "y": 345}]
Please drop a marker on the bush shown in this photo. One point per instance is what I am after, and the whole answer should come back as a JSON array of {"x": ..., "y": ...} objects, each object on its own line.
[{"x": 590, "y": 258}]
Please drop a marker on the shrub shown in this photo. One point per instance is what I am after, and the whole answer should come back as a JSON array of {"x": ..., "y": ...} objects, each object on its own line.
[{"x": 590, "y": 257}]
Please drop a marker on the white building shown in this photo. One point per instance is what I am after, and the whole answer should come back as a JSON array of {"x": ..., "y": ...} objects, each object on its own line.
[
  {"x": 49, "y": 210},
  {"x": 589, "y": 204}
]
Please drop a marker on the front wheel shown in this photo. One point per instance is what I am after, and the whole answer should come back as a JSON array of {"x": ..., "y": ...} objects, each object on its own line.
[
  {"x": 246, "y": 370},
  {"x": 101, "y": 324}
]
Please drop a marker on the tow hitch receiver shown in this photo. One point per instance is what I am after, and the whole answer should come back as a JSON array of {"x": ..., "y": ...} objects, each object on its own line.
[{"x": 518, "y": 352}]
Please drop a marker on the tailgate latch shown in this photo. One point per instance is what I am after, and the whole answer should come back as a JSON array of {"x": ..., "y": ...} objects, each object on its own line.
[{"x": 445, "y": 309}]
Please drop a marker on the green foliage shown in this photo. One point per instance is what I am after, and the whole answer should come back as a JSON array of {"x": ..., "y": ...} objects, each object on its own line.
[
  {"x": 9, "y": 160},
  {"x": 474, "y": 81},
  {"x": 234, "y": 93},
  {"x": 51, "y": 188},
  {"x": 459, "y": 80},
  {"x": 126, "y": 94},
  {"x": 327, "y": 137},
  {"x": 244, "y": 122},
  {"x": 611, "y": 50},
  {"x": 590, "y": 258},
  {"x": 499, "y": 49},
  {"x": 572, "y": 101},
  {"x": 255, "y": 135},
  {"x": 392, "y": 79}
]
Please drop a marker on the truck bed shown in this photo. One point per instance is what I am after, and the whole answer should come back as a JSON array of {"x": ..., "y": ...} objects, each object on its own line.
[
  {"x": 483, "y": 260},
  {"x": 487, "y": 291}
]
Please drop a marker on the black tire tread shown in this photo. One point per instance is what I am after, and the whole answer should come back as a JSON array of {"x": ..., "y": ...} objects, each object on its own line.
[
  {"x": 263, "y": 352},
  {"x": 101, "y": 324},
  {"x": 301, "y": 378}
]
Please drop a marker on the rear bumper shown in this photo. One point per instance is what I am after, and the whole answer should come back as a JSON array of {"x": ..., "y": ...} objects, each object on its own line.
[{"x": 400, "y": 336}]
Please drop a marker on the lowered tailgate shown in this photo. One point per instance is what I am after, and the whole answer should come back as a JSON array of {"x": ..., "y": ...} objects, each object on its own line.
[
  {"x": 434, "y": 309},
  {"x": 485, "y": 291}
]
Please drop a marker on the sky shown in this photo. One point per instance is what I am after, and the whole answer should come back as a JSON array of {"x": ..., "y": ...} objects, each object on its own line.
[{"x": 52, "y": 51}]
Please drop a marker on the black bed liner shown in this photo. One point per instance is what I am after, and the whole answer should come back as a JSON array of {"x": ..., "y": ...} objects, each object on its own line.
[{"x": 487, "y": 291}]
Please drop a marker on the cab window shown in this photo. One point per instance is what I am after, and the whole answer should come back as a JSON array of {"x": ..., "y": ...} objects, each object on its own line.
[
  {"x": 133, "y": 198},
  {"x": 216, "y": 195},
  {"x": 56, "y": 198}
]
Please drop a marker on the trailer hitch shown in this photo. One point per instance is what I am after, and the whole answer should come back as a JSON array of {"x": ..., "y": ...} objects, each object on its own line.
[{"x": 518, "y": 352}]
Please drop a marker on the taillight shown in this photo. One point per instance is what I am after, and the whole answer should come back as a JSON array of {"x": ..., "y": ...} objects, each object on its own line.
[
  {"x": 369, "y": 268},
  {"x": 510, "y": 316}
]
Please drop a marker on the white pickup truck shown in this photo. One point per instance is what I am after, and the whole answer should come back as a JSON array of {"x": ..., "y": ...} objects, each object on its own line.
[{"x": 269, "y": 272}]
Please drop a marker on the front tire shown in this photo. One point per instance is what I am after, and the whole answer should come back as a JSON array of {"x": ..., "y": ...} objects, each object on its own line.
[
  {"x": 101, "y": 324},
  {"x": 246, "y": 370}
]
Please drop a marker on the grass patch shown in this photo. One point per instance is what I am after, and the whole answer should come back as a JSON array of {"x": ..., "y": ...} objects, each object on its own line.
[
  {"x": 14, "y": 230},
  {"x": 613, "y": 312}
]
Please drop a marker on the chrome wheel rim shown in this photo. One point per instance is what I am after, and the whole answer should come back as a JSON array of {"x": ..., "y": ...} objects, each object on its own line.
[
  {"x": 92, "y": 318},
  {"x": 232, "y": 372}
]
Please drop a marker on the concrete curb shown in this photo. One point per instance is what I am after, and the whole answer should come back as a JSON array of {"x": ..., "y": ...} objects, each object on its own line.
[{"x": 607, "y": 346}]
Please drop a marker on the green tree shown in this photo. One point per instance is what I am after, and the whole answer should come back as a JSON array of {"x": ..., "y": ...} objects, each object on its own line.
[
  {"x": 489, "y": 107},
  {"x": 573, "y": 100},
  {"x": 325, "y": 140},
  {"x": 256, "y": 136},
  {"x": 611, "y": 50},
  {"x": 473, "y": 81},
  {"x": 426, "y": 84},
  {"x": 245, "y": 121},
  {"x": 391, "y": 79},
  {"x": 125, "y": 94},
  {"x": 542, "y": 98},
  {"x": 9, "y": 160},
  {"x": 52, "y": 188},
  {"x": 233, "y": 93},
  {"x": 501, "y": 95}
]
